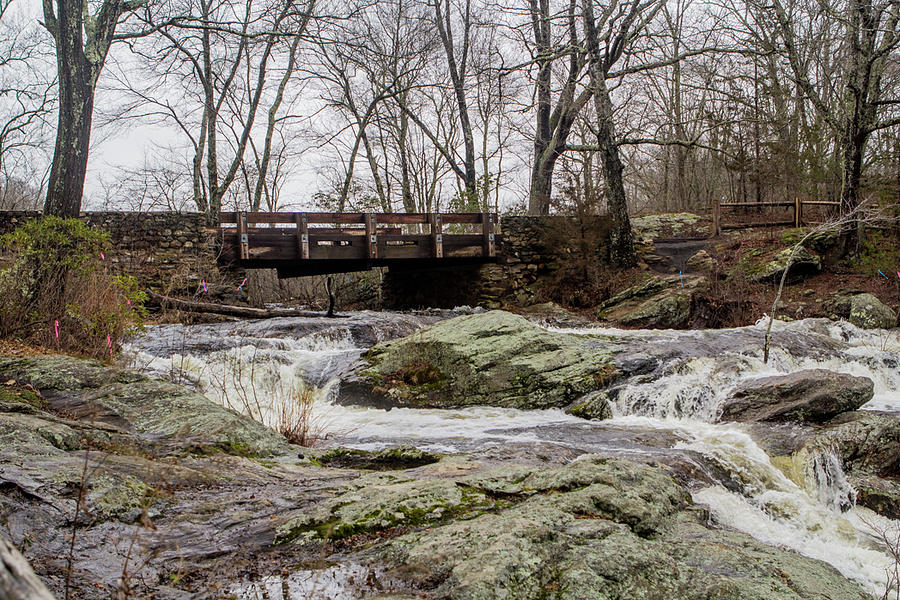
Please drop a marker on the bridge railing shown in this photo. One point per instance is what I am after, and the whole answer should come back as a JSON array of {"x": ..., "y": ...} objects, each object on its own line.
[{"x": 262, "y": 236}]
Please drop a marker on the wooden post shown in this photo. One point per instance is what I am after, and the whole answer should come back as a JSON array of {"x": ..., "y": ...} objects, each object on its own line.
[
  {"x": 371, "y": 239},
  {"x": 302, "y": 235},
  {"x": 798, "y": 206},
  {"x": 487, "y": 228},
  {"x": 716, "y": 217},
  {"x": 243, "y": 238},
  {"x": 437, "y": 234}
]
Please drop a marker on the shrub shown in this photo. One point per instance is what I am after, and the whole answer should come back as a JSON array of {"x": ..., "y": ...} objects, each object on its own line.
[{"x": 58, "y": 275}]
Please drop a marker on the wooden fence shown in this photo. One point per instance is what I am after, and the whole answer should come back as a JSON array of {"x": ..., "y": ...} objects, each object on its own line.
[{"x": 796, "y": 208}]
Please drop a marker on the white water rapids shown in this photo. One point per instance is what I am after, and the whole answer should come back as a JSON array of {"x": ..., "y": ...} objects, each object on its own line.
[{"x": 253, "y": 366}]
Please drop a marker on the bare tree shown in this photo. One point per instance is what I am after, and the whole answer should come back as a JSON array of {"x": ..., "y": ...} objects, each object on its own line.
[
  {"x": 207, "y": 74},
  {"x": 27, "y": 99},
  {"x": 553, "y": 122},
  {"x": 82, "y": 39},
  {"x": 869, "y": 33}
]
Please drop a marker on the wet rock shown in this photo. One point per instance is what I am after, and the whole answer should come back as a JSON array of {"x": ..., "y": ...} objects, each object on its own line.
[
  {"x": 593, "y": 406},
  {"x": 491, "y": 359},
  {"x": 867, "y": 445},
  {"x": 661, "y": 302},
  {"x": 814, "y": 395},
  {"x": 804, "y": 262},
  {"x": 598, "y": 529},
  {"x": 868, "y": 442},
  {"x": 398, "y": 457},
  {"x": 868, "y": 312},
  {"x": 158, "y": 411},
  {"x": 878, "y": 494}
]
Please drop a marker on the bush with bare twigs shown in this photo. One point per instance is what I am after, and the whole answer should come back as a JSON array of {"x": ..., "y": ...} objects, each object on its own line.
[{"x": 59, "y": 292}]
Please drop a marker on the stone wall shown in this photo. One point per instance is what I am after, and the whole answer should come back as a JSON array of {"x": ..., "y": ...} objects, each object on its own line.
[
  {"x": 168, "y": 251},
  {"x": 172, "y": 252},
  {"x": 533, "y": 254}
]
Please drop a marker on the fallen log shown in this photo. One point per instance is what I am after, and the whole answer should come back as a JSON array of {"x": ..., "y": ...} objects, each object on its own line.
[
  {"x": 228, "y": 309},
  {"x": 17, "y": 580}
]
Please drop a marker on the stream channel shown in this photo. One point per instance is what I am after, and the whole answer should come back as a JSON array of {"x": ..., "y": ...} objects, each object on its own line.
[{"x": 666, "y": 413}]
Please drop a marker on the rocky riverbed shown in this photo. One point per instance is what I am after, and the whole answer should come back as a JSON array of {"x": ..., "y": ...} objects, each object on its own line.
[{"x": 647, "y": 488}]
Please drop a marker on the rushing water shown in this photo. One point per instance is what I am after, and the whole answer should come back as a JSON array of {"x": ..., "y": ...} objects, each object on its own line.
[{"x": 665, "y": 411}]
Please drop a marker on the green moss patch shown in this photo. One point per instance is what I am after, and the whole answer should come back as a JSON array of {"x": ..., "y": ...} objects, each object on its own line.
[{"x": 389, "y": 459}]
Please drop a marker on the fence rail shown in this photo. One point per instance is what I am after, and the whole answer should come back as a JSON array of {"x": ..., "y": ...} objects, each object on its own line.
[
  {"x": 796, "y": 205},
  {"x": 261, "y": 237}
]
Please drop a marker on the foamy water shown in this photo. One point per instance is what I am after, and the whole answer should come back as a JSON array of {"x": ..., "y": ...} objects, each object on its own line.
[{"x": 254, "y": 367}]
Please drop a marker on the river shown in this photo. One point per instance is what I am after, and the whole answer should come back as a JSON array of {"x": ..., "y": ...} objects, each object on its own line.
[{"x": 666, "y": 414}]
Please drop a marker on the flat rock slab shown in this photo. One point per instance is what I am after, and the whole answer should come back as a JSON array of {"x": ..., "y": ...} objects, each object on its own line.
[{"x": 812, "y": 396}]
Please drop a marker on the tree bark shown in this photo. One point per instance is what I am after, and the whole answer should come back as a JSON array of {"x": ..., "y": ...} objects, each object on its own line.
[
  {"x": 77, "y": 71},
  {"x": 621, "y": 243},
  {"x": 226, "y": 309},
  {"x": 65, "y": 187}
]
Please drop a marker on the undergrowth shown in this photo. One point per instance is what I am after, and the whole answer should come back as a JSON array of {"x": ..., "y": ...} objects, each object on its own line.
[{"x": 59, "y": 292}]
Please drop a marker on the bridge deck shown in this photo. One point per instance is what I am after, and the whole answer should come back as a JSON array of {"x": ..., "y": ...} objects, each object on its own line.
[{"x": 341, "y": 242}]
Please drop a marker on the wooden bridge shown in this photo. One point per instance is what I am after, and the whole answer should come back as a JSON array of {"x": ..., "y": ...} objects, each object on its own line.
[{"x": 308, "y": 243}]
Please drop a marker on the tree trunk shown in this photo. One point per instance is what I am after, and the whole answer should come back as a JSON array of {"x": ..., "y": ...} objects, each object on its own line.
[
  {"x": 17, "y": 579},
  {"x": 541, "y": 185},
  {"x": 621, "y": 243},
  {"x": 77, "y": 81},
  {"x": 853, "y": 143}
]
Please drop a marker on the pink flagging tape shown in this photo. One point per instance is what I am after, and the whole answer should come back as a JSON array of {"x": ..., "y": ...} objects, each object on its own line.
[
  {"x": 56, "y": 328},
  {"x": 205, "y": 287},
  {"x": 242, "y": 283},
  {"x": 102, "y": 257},
  {"x": 109, "y": 344}
]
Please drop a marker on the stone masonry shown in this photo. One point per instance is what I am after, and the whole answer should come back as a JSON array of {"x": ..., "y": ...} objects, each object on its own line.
[{"x": 172, "y": 252}]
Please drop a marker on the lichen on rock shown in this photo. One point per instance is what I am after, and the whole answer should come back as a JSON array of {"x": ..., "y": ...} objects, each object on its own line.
[{"x": 490, "y": 359}]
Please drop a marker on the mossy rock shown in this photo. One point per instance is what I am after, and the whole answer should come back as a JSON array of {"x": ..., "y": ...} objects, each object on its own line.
[
  {"x": 157, "y": 411},
  {"x": 868, "y": 312},
  {"x": 388, "y": 459},
  {"x": 594, "y": 406},
  {"x": 799, "y": 263},
  {"x": 661, "y": 302},
  {"x": 376, "y": 505},
  {"x": 599, "y": 529},
  {"x": 489, "y": 359}
]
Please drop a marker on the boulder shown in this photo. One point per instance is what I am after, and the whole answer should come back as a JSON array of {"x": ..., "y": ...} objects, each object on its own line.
[
  {"x": 488, "y": 359},
  {"x": 661, "y": 302},
  {"x": 804, "y": 262},
  {"x": 867, "y": 448},
  {"x": 867, "y": 442},
  {"x": 869, "y": 312},
  {"x": 815, "y": 396},
  {"x": 701, "y": 262},
  {"x": 595, "y": 528},
  {"x": 593, "y": 406},
  {"x": 126, "y": 401}
]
